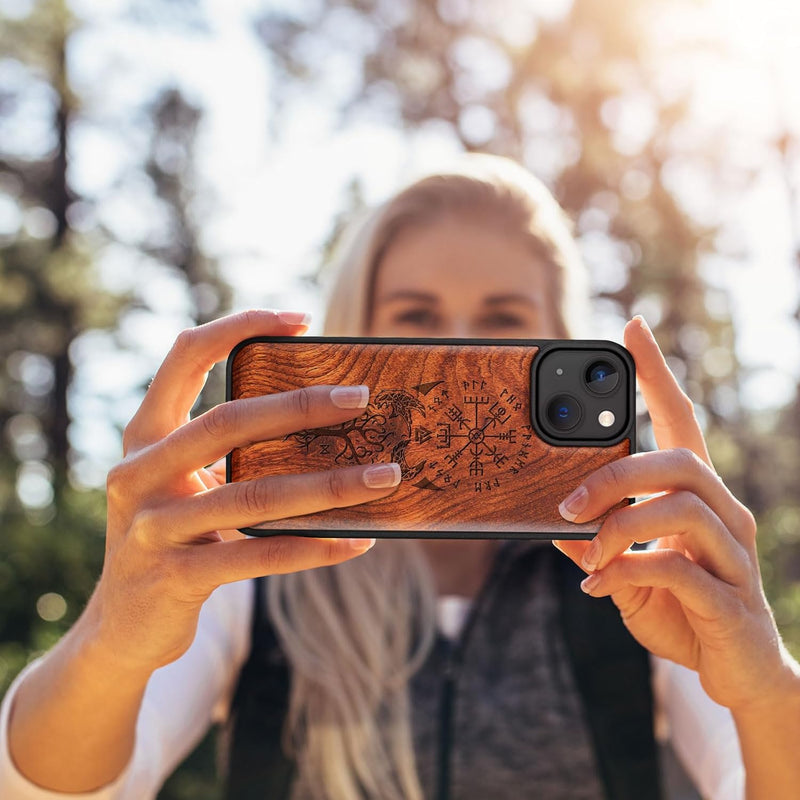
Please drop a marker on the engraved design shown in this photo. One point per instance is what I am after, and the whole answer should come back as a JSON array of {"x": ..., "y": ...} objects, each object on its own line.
[
  {"x": 425, "y": 388},
  {"x": 386, "y": 423},
  {"x": 475, "y": 431},
  {"x": 473, "y": 428}
]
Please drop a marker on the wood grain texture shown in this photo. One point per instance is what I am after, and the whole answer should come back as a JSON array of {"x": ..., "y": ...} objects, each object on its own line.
[{"x": 458, "y": 420}]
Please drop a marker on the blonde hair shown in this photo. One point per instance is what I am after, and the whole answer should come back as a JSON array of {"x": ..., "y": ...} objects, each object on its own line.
[{"x": 355, "y": 633}]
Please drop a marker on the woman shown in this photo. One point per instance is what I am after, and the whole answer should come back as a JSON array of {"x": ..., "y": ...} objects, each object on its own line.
[{"x": 482, "y": 252}]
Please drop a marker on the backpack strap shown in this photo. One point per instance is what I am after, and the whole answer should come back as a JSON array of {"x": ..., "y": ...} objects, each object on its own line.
[
  {"x": 258, "y": 766},
  {"x": 612, "y": 672}
]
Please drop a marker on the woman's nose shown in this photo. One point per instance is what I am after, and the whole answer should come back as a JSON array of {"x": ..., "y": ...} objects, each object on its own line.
[{"x": 458, "y": 328}]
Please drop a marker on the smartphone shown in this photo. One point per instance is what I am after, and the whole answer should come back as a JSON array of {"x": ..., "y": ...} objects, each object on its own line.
[{"x": 490, "y": 435}]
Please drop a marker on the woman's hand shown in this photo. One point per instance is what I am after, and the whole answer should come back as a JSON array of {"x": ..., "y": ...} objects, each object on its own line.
[
  {"x": 696, "y": 597},
  {"x": 171, "y": 536}
]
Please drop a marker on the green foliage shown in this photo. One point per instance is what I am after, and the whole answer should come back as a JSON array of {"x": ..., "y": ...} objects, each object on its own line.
[
  {"x": 52, "y": 541},
  {"x": 58, "y": 552}
]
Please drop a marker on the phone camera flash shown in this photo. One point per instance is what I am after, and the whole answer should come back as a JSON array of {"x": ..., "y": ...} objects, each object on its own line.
[
  {"x": 606, "y": 418},
  {"x": 559, "y": 371}
]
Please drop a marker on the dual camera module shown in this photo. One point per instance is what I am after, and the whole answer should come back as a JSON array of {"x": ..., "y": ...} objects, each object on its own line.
[{"x": 583, "y": 394}]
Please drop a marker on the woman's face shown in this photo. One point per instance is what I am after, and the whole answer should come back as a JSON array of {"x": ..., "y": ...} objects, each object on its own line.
[{"x": 458, "y": 278}]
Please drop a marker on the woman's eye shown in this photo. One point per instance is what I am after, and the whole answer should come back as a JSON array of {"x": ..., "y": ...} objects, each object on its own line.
[
  {"x": 502, "y": 321},
  {"x": 420, "y": 317}
]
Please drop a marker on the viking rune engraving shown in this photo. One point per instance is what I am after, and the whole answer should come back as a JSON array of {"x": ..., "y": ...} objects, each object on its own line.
[{"x": 441, "y": 437}]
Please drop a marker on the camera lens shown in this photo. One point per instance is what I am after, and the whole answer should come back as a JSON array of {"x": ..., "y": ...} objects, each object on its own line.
[
  {"x": 563, "y": 412},
  {"x": 602, "y": 377}
]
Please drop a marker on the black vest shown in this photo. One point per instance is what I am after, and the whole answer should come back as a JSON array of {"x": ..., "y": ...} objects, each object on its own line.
[{"x": 611, "y": 672}]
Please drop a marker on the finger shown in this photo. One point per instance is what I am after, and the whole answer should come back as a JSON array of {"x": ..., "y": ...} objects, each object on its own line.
[
  {"x": 572, "y": 548},
  {"x": 697, "y": 590},
  {"x": 213, "y": 475},
  {"x": 183, "y": 373},
  {"x": 218, "y": 471},
  {"x": 229, "y": 534},
  {"x": 226, "y": 562},
  {"x": 652, "y": 473},
  {"x": 671, "y": 410},
  {"x": 247, "y": 504},
  {"x": 680, "y": 514},
  {"x": 671, "y": 636},
  {"x": 241, "y": 422}
]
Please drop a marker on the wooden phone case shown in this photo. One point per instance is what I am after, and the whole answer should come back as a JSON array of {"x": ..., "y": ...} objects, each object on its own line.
[{"x": 456, "y": 415}]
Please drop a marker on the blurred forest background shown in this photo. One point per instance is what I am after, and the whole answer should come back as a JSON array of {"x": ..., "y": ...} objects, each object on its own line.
[{"x": 110, "y": 235}]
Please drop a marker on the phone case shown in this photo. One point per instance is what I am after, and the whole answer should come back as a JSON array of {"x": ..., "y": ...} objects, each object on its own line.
[{"x": 456, "y": 415}]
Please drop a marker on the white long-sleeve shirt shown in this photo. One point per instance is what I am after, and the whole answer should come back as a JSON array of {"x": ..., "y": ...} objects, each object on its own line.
[{"x": 184, "y": 698}]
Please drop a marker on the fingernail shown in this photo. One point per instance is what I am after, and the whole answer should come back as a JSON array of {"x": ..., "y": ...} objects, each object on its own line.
[
  {"x": 590, "y": 582},
  {"x": 573, "y": 505},
  {"x": 591, "y": 558},
  {"x": 643, "y": 324},
  {"x": 294, "y": 317},
  {"x": 557, "y": 545},
  {"x": 350, "y": 396},
  {"x": 382, "y": 476},
  {"x": 361, "y": 545}
]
